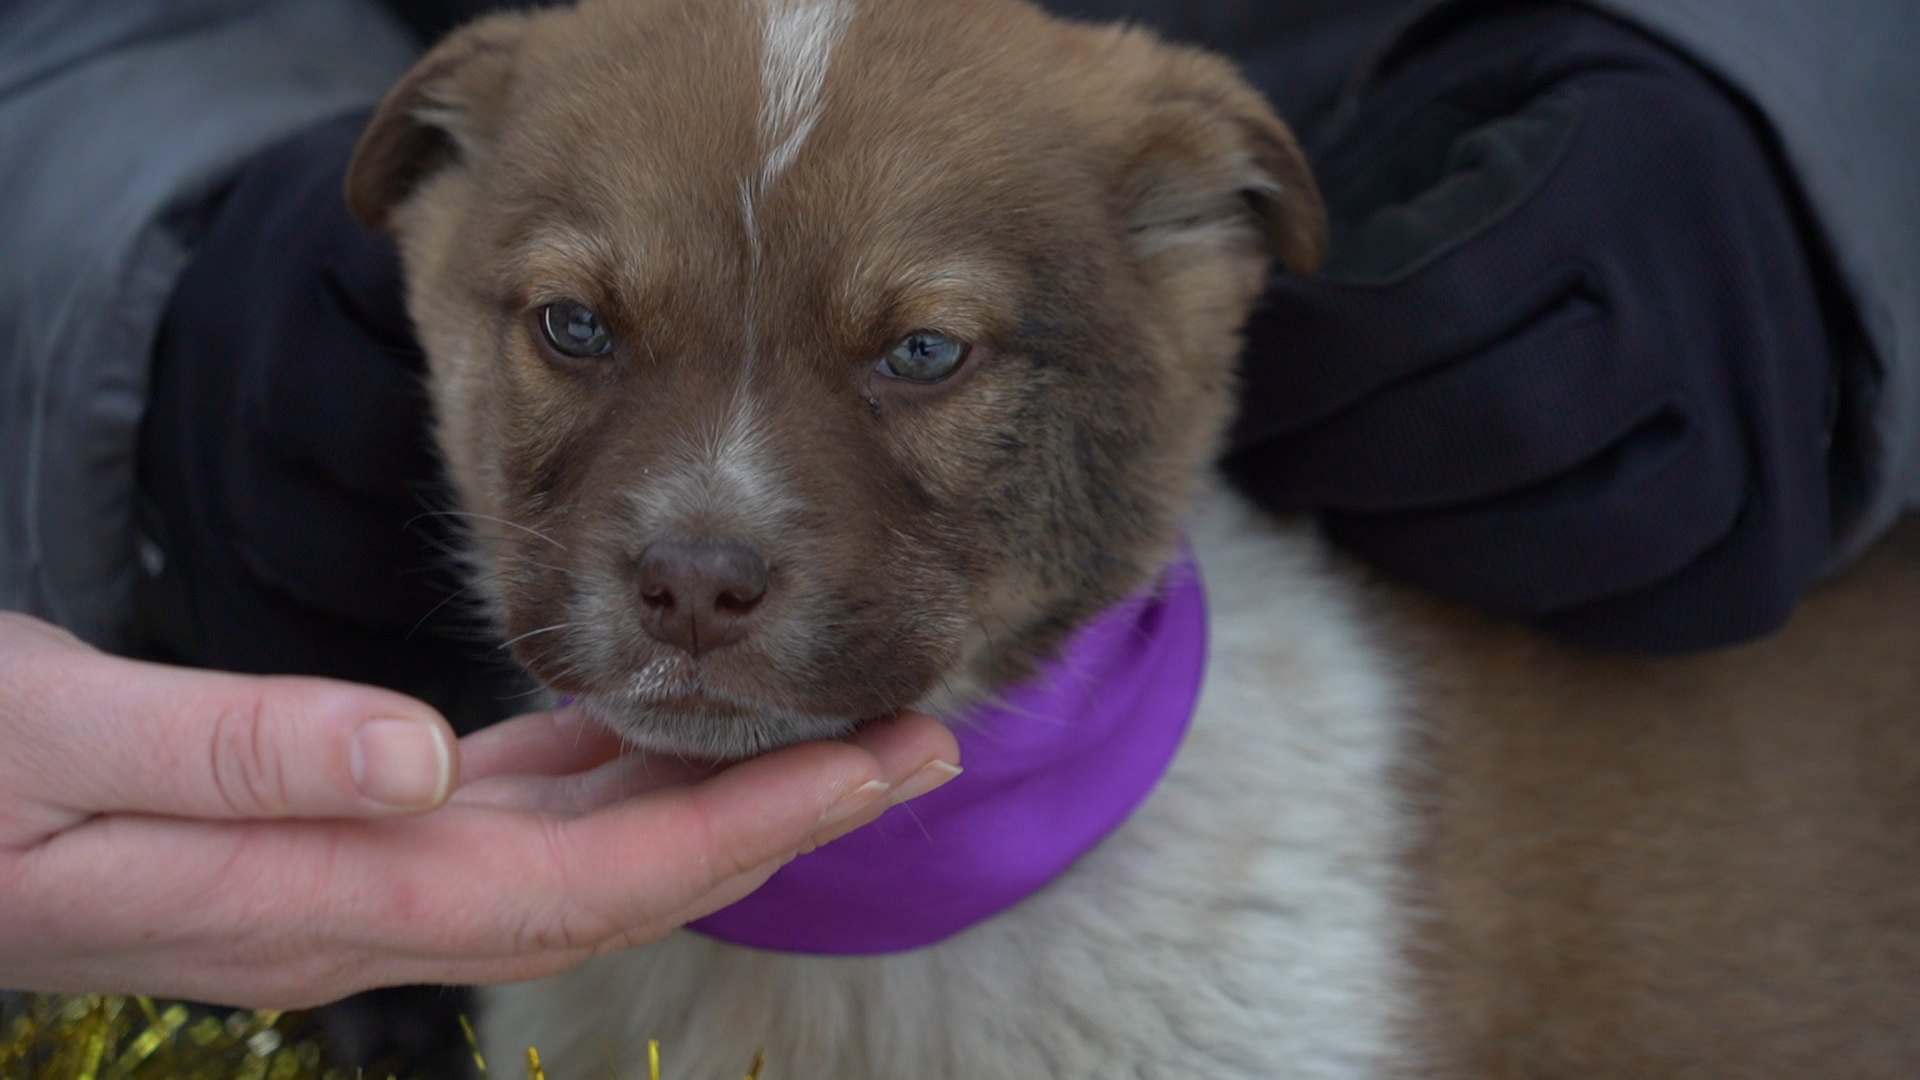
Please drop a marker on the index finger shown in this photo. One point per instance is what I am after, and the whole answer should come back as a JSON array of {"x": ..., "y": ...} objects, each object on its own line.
[
  {"x": 568, "y": 764},
  {"x": 563, "y": 740}
]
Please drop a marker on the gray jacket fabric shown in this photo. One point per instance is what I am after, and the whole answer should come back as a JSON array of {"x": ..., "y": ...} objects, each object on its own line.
[
  {"x": 118, "y": 118},
  {"x": 1838, "y": 82}
]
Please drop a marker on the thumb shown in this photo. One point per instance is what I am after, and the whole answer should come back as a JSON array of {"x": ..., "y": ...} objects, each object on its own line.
[{"x": 92, "y": 733}]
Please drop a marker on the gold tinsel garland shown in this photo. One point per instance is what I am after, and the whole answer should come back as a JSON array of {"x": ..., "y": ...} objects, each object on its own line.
[{"x": 111, "y": 1037}]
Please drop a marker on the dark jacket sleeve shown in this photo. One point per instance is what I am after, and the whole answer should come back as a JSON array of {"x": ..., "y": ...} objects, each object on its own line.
[
  {"x": 1835, "y": 87},
  {"x": 119, "y": 121},
  {"x": 294, "y": 497},
  {"x": 1572, "y": 354}
]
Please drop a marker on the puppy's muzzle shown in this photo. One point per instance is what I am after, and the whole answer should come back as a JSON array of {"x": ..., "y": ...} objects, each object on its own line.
[{"x": 700, "y": 595}]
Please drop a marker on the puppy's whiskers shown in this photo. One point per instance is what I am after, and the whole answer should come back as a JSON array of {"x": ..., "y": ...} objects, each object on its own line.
[
  {"x": 467, "y": 589},
  {"x": 509, "y": 643},
  {"x": 488, "y": 517}
]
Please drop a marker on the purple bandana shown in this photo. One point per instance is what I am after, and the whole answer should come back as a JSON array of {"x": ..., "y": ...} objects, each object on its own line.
[{"x": 1052, "y": 769}]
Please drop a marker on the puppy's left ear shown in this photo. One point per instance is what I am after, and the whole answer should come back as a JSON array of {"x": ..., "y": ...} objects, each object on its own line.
[{"x": 1209, "y": 155}]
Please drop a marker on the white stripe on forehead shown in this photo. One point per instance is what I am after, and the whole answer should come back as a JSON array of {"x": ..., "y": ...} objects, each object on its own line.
[{"x": 800, "y": 39}]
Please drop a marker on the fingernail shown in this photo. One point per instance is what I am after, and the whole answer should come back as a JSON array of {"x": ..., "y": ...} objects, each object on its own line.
[
  {"x": 929, "y": 776},
  {"x": 854, "y": 809},
  {"x": 405, "y": 764}
]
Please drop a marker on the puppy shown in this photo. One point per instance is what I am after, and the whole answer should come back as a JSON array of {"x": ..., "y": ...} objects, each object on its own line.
[{"x": 823, "y": 358}]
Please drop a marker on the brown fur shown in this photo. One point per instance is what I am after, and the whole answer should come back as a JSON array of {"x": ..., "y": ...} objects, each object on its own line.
[
  {"x": 1698, "y": 867},
  {"x": 1630, "y": 868},
  {"x": 1091, "y": 236}
]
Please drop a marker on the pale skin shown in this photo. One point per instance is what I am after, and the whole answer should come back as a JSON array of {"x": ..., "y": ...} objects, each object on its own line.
[{"x": 219, "y": 837}]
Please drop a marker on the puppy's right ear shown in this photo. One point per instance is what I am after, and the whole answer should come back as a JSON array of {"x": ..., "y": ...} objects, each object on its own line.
[{"x": 444, "y": 110}]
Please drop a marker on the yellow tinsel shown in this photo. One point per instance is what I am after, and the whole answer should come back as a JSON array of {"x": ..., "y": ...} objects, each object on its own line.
[
  {"x": 536, "y": 1072},
  {"x": 111, "y": 1037}
]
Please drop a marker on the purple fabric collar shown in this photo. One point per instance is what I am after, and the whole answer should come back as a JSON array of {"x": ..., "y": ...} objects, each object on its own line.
[{"x": 1051, "y": 769}]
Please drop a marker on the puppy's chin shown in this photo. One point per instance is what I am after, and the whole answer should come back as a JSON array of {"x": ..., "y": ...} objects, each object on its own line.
[{"x": 709, "y": 730}]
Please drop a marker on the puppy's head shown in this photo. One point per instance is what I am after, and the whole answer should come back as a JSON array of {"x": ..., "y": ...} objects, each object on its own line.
[{"x": 804, "y": 360}]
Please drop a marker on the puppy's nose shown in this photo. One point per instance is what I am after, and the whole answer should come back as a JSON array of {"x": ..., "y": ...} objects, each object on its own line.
[{"x": 697, "y": 595}]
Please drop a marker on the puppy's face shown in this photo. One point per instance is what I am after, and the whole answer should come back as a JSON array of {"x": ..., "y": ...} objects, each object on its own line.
[{"x": 804, "y": 360}]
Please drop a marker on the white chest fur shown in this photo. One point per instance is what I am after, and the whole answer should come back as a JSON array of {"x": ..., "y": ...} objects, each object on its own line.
[{"x": 1245, "y": 923}]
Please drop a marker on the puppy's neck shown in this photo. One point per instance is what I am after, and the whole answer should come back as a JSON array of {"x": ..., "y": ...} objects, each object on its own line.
[{"x": 1053, "y": 766}]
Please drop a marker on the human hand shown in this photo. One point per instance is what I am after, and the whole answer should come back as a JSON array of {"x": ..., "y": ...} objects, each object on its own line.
[{"x": 268, "y": 842}]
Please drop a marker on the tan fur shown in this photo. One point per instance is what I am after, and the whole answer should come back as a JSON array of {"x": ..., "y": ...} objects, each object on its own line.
[{"x": 1699, "y": 867}]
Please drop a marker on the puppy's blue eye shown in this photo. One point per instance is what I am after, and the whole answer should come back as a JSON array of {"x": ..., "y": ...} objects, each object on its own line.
[
  {"x": 924, "y": 356},
  {"x": 574, "y": 330}
]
